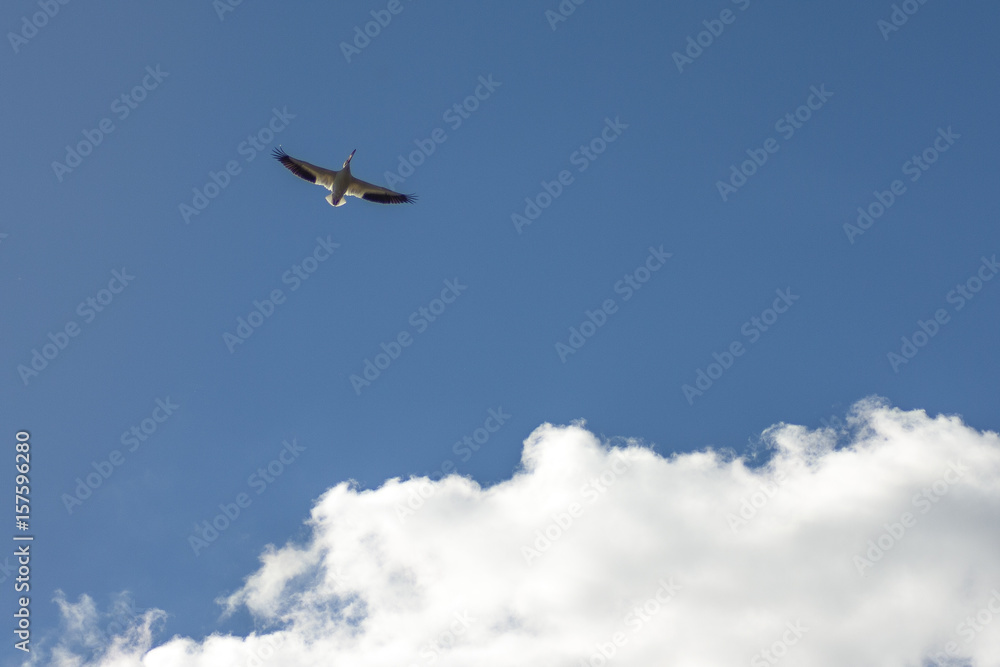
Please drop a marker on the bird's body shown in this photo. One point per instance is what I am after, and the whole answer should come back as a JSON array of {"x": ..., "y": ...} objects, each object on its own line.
[{"x": 341, "y": 183}]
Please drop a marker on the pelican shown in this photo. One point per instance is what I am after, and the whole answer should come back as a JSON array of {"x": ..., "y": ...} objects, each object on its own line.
[{"x": 340, "y": 183}]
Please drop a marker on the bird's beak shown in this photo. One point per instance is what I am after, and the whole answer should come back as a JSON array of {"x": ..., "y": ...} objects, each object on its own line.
[{"x": 348, "y": 160}]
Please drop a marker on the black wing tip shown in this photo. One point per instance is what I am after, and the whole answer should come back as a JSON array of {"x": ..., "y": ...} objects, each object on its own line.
[
  {"x": 284, "y": 158},
  {"x": 380, "y": 198}
]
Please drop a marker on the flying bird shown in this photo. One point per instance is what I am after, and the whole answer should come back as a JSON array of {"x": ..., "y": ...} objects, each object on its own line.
[{"x": 340, "y": 183}]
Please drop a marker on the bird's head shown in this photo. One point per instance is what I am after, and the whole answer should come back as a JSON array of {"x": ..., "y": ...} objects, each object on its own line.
[{"x": 348, "y": 160}]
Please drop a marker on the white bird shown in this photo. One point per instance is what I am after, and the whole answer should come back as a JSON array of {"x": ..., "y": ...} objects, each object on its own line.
[{"x": 340, "y": 183}]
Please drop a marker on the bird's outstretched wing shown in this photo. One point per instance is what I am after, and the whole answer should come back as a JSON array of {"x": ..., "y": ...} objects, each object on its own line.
[
  {"x": 377, "y": 194},
  {"x": 304, "y": 170}
]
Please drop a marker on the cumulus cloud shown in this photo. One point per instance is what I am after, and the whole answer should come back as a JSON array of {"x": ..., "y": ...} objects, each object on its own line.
[
  {"x": 115, "y": 638},
  {"x": 877, "y": 544}
]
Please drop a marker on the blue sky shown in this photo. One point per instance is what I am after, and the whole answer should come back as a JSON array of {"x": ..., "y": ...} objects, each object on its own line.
[{"x": 756, "y": 296}]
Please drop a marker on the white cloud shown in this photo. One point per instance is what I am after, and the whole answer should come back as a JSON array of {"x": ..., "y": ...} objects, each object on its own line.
[
  {"x": 116, "y": 638},
  {"x": 646, "y": 557}
]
